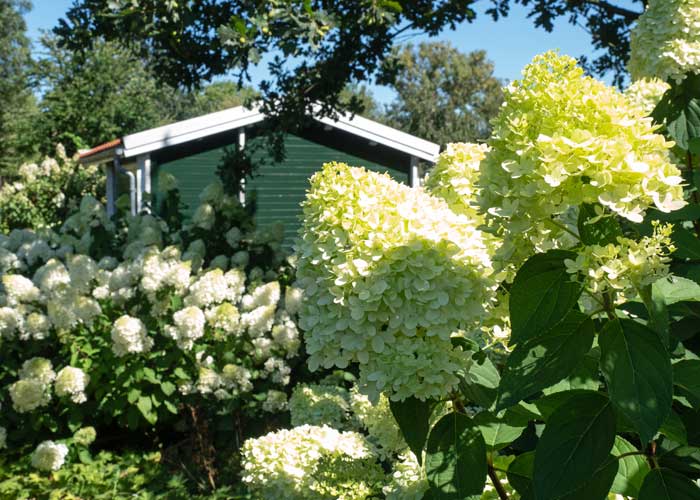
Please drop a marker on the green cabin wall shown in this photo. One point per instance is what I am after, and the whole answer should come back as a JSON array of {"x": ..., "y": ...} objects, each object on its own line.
[{"x": 279, "y": 187}]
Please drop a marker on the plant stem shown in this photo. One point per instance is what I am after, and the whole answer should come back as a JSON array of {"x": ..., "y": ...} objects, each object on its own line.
[
  {"x": 609, "y": 309},
  {"x": 564, "y": 228},
  {"x": 502, "y": 493},
  {"x": 630, "y": 454}
]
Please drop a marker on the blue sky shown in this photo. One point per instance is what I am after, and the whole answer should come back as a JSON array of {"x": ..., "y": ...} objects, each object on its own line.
[{"x": 510, "y": 43}]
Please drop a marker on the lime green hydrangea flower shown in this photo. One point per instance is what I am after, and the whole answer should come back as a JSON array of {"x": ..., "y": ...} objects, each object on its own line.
[
  {"x": 665, "y": 43},
  {"x": 455, "y": 177},
  {"x": 626, "y": 267},
  {"x": 646, "y": 93},
  {"x": 311, "y": 463},
  {"x": 379, "y": 422},
  {"x": 562, "y": 139},
  {"x": 389, "y": 273}
]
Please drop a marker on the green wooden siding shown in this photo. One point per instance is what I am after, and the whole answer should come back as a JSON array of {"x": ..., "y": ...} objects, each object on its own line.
[{"x": 278, "y": 188}]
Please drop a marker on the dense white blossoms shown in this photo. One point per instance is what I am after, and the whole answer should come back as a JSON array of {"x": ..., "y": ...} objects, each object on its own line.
[
  {"x": 562, "y": 139},
  {"x": 71, "y": 383},
  {"x": 19, "y": 289},
  {"x": 49, "y": 456},
  {"x": 29, "y": 394},
  {"x": 455, "y": 178},
  {"x": 627, "y": 266},
  {"x": 408, "y": 480},
  {"x": 189, "y": 326},
  {"x": 646, "y": 93},
  {"x": 39, "y": 369},
  {"x": 665, "y": 43},
  {"x": 379, "y": 423},
  {"x": 388, "y": 273},
  {"x": 129, "y": 336},
  {"x": 311, "y": 463}
]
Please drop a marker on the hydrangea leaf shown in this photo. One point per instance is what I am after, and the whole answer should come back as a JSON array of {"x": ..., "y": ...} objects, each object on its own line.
[
  {"x": 637, "y": 369},
  {"x": 543, "y": 293},
  {"x": 632, "y": 470},
  {"x": 576, "y": 443},
  {"x": 413, "y": 417},
  {"x": 666, "y": 484},
  {"x": 455, "y": 460},
  {"x": 545, "y": 359},
  {"x": 597, "y": 228}
]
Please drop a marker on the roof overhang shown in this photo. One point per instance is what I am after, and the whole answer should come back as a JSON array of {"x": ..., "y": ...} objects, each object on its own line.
[{"x": 148, "y": 141}]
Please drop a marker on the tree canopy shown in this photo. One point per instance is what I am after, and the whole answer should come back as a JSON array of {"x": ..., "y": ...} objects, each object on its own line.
[
  {"x": 314, "y": 48},
  {"x": 444, "y": 95}
]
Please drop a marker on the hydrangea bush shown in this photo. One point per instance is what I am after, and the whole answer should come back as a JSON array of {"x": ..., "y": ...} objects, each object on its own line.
[
  {"x": 45, "y": 194},
  {"x": 571, "y": 239},
  {"x": 130, "y": 323}
]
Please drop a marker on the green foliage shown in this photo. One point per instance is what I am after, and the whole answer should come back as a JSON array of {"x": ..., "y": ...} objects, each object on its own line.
[
  {"x": 45, "y": 194},
  {"x": 443, "y": 95},
  {"x": 667, "y": 484},
  {"x": 413, "y": 418},
  {"x": 455, "y": 461}
]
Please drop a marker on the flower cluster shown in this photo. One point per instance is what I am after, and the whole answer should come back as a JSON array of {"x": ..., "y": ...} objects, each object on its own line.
[
  {"x": 379, "y": 423},
  {"x": 388, "y": 273},
  {"x": 407, "y": 480},
  {"x": 311, "y": 463},
  {"x": 319, "y": 405},
  {"x": 49, "y": 456},
  {"x": 646, "y": 93},
  {"x": 455, "y": 178},
  {"x": 562, "y": 139},
  {"x": 71, "y": 383},
  {"x": 665, "y": 43},
  {"x": 627, "y": 266}
]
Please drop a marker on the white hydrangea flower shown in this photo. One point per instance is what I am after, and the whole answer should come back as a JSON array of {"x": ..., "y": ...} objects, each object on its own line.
[
  {"x": 311, "y": 463},
  {"x": 263, "y": 348},
  {"x": 52, "y": 277},
  {"x": 29, "y": 394},
  {"x": 286, "y": 334},
  {"x": 39, "y": 369},
  {"x": 204, "y": 217},
  {"x": 379, "y": 422},
  {"x": 212, "y": 193},
  {"x": 292, "y": 299},
  {"x": 388, "y": 290},
  {"x": 214, "y": 287},
  {"x": 237, "y": 378},
  {"x": 646, "y": 93},
  {"x": 319, "y": 405},
  {"x": 36, "y": 250},
  {"x": 71, "y": 382},
  {"x": 85, "y": 309},
  {"x": 166, "y": 182},
  {"x": 9, "y": 261},
  {"x": 36, "y": 326},
  {"x": 259, "y": 321},
  {"x": 665, "y": 43},
  {"x": 9, "y": 322},
  {"x": 49, "y": 456},
  {"x": 165, "y": 269},
  {"x": 208, "y": 381},
  {"x": 82, "y": 270},
  {"x": 278, "y": 371},
  {"x": 20, "y": 289},
  {"x": 226, "y": 317},
  {"x": 129, "y": 336},
  {"x": 189, "y": 326},
  {"x": 276, "y": 401},
  {"x": 408, "y": 480},
  {"x": 263, "y": 295}
]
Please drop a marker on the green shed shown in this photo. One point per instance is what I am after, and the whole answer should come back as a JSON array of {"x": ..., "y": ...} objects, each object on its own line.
[{"x": 193, "y": 149}]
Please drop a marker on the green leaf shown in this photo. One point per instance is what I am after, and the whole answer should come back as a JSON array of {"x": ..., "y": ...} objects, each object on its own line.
[
  {"x": 637, "y": 368},
  {"x": 686, "y": 243},
  {"x": 597, "y": 486},
  {"x": 679, "y": 110},
  {"x": 413, "y": 417},
  {"x": 520, "y": 475},
  {"x": 595, "y": 229},
  {"x": 675, "y": 289},
  {"x": 542, "y": 294},
  {"x": 682, "y": 459},
  {"x": 498, "y": 432},
  {"x": 688, "y": 212},
  {"x": 632, "y": 470},
  {"x": 480, "y": 384},
  {"x": 133, "y": 396},
  {"x": 686, "y": 375},
  {"x": 674, "y": 429},
  {"x": 546, "y": 359},
  {"x": 666, "y": 484},
  {"x": 576, "y": 443},
  {"x": 168, "y": 388},
  {"x": 455, "y": 461},
  {"x": 655, "y": 303},
  {"x": 584, "y": 376},
  {"x": 145, "y": 406}
]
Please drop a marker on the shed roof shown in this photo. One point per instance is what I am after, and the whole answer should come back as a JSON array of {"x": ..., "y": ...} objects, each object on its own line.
[{"x": 185, "y": 131}]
